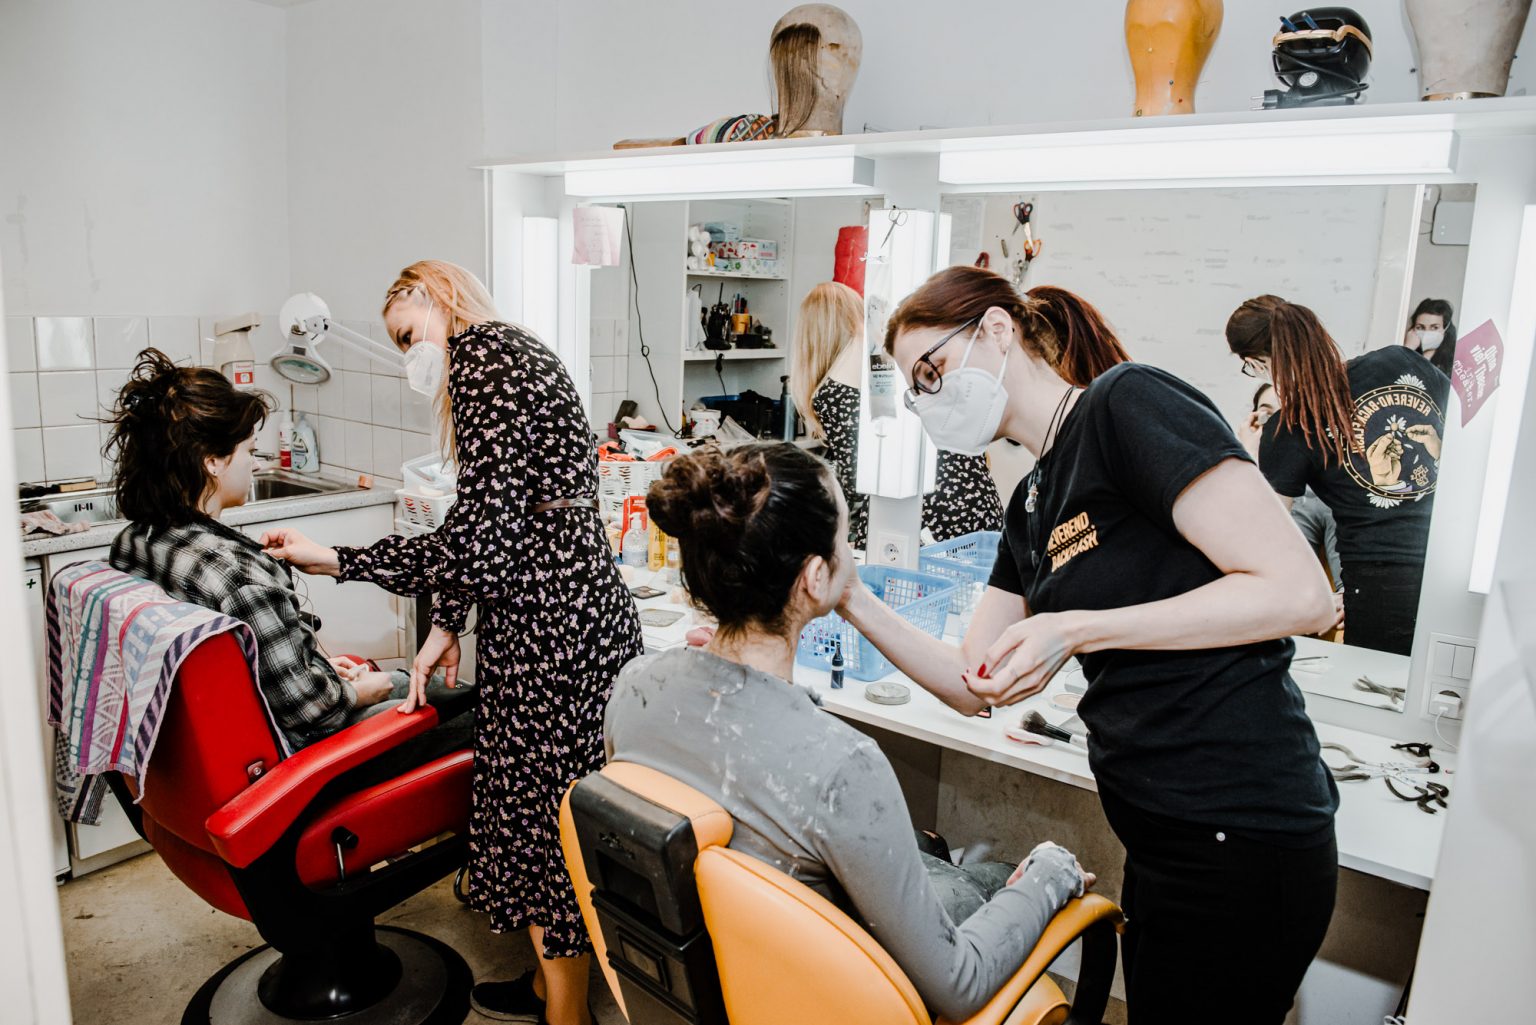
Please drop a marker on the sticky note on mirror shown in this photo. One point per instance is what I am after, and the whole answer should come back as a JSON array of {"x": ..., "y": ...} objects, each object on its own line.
[
  {"x": 598, "y": 231},
  {"x": 1475, "y": 373}
]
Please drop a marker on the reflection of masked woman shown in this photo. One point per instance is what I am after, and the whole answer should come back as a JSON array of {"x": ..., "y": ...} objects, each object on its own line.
[
  {"x": 1432, "y": 334},
  {"x": 1365, "y": 436}
]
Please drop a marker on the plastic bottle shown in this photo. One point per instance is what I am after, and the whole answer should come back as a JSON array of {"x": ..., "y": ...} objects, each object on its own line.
[
  {"x": 656, "y": 548},
  {"x": 636, "y": 544},
  {"x": 306, "y": 451},
  {"x": 285, "y": 442}
]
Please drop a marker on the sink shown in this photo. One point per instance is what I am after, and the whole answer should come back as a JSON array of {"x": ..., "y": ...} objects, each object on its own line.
[{"x": 99, "y": 505}]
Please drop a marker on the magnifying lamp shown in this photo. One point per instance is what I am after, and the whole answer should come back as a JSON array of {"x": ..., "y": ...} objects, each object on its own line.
[{"x": 306, "y": 323}]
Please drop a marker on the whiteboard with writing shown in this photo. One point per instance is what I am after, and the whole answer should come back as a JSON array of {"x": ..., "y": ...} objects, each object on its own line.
[{"x": 1168, "y": 267}]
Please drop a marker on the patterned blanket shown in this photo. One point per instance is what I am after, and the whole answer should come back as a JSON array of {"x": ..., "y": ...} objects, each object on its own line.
[{"x": 115, "y": 643}]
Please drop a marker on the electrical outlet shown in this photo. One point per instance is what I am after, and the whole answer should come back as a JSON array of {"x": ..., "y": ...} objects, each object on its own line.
[
  {"x": 1448, "y": 701},
  {"x": 890, "y": 548}
]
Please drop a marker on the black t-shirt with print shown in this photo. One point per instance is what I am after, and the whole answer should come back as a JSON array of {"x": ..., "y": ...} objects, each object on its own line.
[
  {"x": 1215, "y": 737},
  {"x": 1383, "y": 496}
]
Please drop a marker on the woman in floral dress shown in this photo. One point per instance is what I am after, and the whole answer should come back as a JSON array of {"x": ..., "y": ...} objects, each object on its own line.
[{"x": 524, "y": 543}]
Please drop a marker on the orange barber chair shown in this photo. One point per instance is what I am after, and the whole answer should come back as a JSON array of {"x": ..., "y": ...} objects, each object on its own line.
[
  {"x": 265, "y": 838},
  {"x": 689, "y": 931}
]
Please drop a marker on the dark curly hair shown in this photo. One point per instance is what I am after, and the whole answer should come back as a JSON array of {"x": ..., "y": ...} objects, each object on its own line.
[
  {"x": 167, "y": 420},
  {"x": 746, "y": 521}
]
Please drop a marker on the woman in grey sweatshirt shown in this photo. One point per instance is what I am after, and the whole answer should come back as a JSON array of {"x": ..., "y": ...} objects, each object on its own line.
[{"x": 762, "y": 535}]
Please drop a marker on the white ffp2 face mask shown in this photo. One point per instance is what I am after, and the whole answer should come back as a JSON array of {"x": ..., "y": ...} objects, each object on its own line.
[
  {"x": 1430, "y": 339},
  {"x": 424, "y": 363},
  {"x": 965, "y": 414}
]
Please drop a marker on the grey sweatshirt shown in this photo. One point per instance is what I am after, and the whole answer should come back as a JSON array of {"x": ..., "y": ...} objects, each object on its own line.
[{"x": 818, "y": 800}]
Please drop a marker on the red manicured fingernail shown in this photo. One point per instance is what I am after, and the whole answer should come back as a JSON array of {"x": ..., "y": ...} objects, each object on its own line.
[{"x": 982, "y": 672}]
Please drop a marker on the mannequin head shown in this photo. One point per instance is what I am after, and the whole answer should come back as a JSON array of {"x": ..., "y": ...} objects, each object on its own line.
[{"x": 815, "y": 52}]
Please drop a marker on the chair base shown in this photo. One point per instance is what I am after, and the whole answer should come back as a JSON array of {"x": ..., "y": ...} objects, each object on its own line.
[{"x": 433, "y": 988}]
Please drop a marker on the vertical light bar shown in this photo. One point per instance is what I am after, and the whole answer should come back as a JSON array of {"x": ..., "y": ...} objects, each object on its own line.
[
  {"x": 1508, "y": 408},
  {"x": 541, "y": 278}
]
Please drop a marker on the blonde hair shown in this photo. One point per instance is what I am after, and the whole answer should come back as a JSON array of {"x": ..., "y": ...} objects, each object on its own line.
[
  {"x": 461, "y": 298},
  {"x": 831, "y": 317}
]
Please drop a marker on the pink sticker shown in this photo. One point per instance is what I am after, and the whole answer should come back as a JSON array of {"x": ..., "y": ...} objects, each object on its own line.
[{"x": 1475, "y": 374}]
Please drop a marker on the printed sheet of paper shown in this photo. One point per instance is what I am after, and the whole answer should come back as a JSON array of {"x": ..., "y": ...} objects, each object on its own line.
[
  {"x": 1479, "y": 362},
  {"x": 599, "y": 233}
]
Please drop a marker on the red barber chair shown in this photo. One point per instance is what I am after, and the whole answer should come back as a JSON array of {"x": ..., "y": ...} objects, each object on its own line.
[{"x": 267, "y": 839}]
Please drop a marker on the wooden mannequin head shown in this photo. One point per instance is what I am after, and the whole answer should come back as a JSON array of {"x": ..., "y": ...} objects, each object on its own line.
[{"x": 815, "y": 53}]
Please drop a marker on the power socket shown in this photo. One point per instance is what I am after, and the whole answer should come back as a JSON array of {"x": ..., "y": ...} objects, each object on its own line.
[
  {"x": 1448, "y": 701},
  {"x": 890, "y": 548}
]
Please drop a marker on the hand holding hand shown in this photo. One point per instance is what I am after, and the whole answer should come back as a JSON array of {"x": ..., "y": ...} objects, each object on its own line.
[
  {"x": 1088, "y": 877},
  {"x": 1022, "y": 660},
  {"x": 294, "y": 548}
]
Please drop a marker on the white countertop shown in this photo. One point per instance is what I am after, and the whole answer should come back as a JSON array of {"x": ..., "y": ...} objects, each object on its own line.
[
  {"x": 259, "y": 512},
  {"x": 1377, "y": 833}
]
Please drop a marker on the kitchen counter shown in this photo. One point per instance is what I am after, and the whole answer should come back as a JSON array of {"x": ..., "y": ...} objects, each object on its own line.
[{"x": 255, "y": 512}]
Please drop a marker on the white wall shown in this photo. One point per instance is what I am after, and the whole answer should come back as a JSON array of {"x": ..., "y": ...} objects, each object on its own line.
[
  {"x": 384, "y": 123},
  {"x": 604, "y": 71},
  {"x": 142, "y": 157}
]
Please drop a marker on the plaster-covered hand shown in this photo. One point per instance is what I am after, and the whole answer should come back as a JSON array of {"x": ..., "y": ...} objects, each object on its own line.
[{"x": 1088, "y": 878}]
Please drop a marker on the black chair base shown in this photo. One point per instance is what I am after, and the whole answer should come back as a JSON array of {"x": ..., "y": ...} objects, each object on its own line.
[{"x": 433, "y": 988}]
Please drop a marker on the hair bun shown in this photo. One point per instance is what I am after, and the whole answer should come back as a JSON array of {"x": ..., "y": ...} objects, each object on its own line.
[{"x": 706, "y": 492}]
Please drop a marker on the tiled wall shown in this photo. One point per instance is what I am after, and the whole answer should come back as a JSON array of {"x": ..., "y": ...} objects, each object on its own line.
[
  {"x": 610, "y": 369},
  {"x": 66, "y": 371}
]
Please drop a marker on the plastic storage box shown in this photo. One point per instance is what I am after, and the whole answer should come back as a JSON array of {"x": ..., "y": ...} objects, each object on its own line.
[
  {"x": 966, "y": 561},
  {"x": 920, "y": 598}
]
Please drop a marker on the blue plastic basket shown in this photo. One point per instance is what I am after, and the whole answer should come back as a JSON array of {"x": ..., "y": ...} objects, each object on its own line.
[
  {"x": 966, "y": 561},
  {"x": 919, "y": 598}
]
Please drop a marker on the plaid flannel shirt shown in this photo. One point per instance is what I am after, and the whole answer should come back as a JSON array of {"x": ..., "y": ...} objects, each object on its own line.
[{"x": 219, "y": 568}]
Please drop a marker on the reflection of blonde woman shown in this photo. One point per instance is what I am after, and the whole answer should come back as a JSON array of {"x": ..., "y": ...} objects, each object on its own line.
[
  {"x": 825, "y": 376},
  {"x": 525, "y": 545}
]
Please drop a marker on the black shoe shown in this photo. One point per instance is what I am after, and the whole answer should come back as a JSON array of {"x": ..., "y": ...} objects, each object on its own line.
[{"x": 508, "y": 1001}]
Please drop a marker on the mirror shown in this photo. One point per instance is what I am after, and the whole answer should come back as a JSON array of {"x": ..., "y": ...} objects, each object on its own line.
[{"x": 1168, "y": 268}]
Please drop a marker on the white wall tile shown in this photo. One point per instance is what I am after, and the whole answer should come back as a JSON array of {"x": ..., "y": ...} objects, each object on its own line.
[
  {"x": 359, "y": 446},
  {"x": 332, "y": 439},
  {"x": 378, "y": 334},
  {"x": 357, "y": 396},
  {"x": 416, "y": 412},
  {"x": 108, "y": 384},
  {"x": 386, "y": 401},
  {"x": 413, "y": 444},
  {"x": 29, "y": 456},
  {"x": 176, "y": 337},
  {"x": 24, "y": 408},
  {"x": 621, "y": 374},
  {"x": 306, "y": 398},
  {"x": 65, "y": 397},
  {"x": 71, "y": 451},
  {"x": 602, "y": 374},
  {"x": 266, "y": 338},
  {"x": 64, "y": 343},
  {"x": 119, "y": 340},
  {"x": 108, "y": 466},
  {"x": 346, "y": 359},
  {"x": 386, "y": 451},
  {"x": 332, "y": 397},
  {"x": 621, "y": 336},
  {"x": 20, "y": 352},
  {"x": 602, "y": 336}
]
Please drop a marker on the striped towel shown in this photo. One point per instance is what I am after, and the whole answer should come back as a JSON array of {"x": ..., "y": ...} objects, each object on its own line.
[{"x": 115, "y": 643}]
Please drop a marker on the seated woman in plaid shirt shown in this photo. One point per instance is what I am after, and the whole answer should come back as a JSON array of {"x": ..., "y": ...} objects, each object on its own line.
[{"x": 184, "y": 441}]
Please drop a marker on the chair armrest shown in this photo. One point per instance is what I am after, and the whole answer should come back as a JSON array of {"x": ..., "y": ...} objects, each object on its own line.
[
  {"x": 254, "y": 819},
  {"x": 1078, "y": 916}
]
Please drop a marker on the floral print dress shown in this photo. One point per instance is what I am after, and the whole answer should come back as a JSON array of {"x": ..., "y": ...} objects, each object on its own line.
[
  {"x": 964, "y": 497},
  {"x": 556, "y": 621}
]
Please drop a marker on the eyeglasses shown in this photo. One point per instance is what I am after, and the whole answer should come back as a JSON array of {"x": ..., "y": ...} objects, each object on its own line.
[
  {"x": 1253, "y": 368},
  {"x": 925, "y": 376}
]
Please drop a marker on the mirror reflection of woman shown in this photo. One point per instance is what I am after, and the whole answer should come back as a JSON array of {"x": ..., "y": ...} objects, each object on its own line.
[
  {"x": 1365, "y": 436},
  {"x": 825, "y": 379},
  {"x": 1432, "y": 334},
  {"x": 1145, "y": 543},
  {"x": 524, "y": 544}
]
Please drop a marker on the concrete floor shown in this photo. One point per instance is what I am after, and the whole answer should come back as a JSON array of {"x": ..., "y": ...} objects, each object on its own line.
[{"x": 138, "y": 943}]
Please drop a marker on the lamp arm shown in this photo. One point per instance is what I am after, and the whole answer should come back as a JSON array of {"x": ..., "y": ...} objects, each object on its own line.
[{"x": 318, "y": 328}]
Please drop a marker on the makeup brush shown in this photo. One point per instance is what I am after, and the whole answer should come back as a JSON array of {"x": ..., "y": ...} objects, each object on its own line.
[{"x": 1037, "y": 724}]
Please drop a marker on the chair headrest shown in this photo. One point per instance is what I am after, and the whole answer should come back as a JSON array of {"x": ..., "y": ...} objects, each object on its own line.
[{"x": 712, "y": 824}]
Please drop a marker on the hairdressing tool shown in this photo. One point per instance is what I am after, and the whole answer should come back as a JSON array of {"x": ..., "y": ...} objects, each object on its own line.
[
  {"x": 1396, "y": 695},
  {"x": 1405, "y": 780},
  {"x": 717, "y": 322},
  {"x": 1037, "y": 724},
  {"x": 1321, "y": 56}
]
